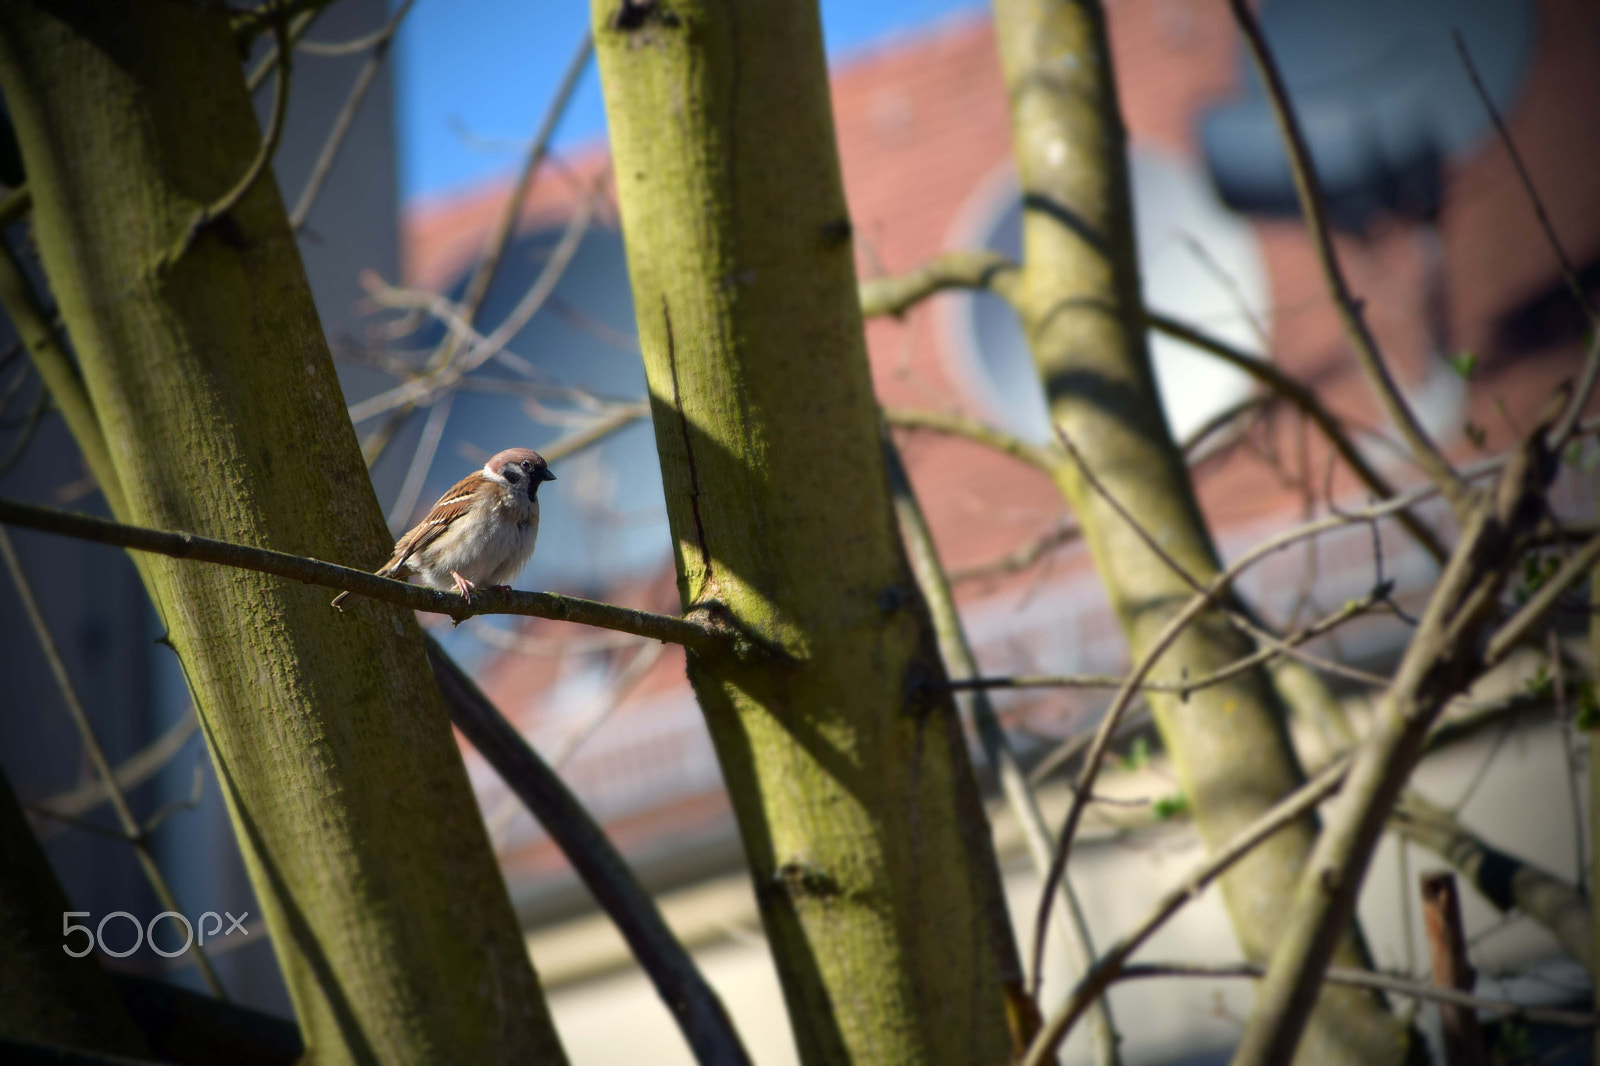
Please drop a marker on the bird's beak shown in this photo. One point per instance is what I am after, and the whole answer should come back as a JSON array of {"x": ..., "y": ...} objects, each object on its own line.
[{"x": 546, "y": 475}]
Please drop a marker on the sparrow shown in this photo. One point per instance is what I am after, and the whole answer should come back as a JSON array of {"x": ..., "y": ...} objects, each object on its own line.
[{"x": 481, "y": 532}]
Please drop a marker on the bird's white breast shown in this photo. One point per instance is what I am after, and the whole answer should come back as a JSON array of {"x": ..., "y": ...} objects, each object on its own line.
[{"x": 485, "y": 552}]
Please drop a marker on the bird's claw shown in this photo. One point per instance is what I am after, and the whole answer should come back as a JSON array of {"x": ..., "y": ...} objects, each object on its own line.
[{"x": 463, "y": 586}]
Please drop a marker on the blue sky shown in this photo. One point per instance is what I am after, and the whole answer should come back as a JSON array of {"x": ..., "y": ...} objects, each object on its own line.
[{"x": 474, "y": 77}]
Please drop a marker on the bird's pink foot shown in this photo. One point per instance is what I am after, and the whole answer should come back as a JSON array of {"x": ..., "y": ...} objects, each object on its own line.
[{"x": 463, "y": 586}]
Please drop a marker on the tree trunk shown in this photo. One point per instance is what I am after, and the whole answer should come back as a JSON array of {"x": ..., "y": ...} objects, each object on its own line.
[
  {"x": 849, "y": 775},
  {"x": 211, "y": 381},
  {"x": 1079, "y": 302}
]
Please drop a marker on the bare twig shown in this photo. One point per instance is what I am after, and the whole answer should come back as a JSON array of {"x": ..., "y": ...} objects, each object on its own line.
[
  {"x": 1438, "y": 663},
  {"x": 579, "y": 732},
  {"x": 620, "y": 418},
  {"x": 263, "y": 158},
  {"x": 1506, "y": 881},
  {"x": 30, "y": 427},
  {"x": 1313, "y": 205},
  {"x": 1020, "y": 559},
  {"x": 1591, "y": 367},
  {"x": 499, "y": 239},
  {"x": 380, "y": 41},
  {"x": 424, "y": 387},
  {"x": 1307, "y": 402},
  {"x": 1288, "y": 811},
  {"x": 506, "y": 640},
  {"x": 247, "y": 24},
  {"x": 960, "y": 425},
  {"x": 692, "y": 1002},
  {"x": 297, "y": 28},
  {"x": 1380, "y": 982},
  {"x": 335, "y": 49},
  {"x": 1569, "y": 274},
  {"x": 58, "y": 370},
  {"x": 135, "y": 834},
  {"x": 952, "y": 270},
  {"x": 994, "y": 272},
  {"x": 421, "y": 461},
  {"x": 1309, "y": 632},
  {"x": 1168, "y": 635},
  {"x": 133, "y": 771},
  {"x": 707, "y": 631},
  {"x": 1020, "y": 798}
]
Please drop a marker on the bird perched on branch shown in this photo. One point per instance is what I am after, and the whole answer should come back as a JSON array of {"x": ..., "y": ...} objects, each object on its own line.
[{"x": 481, "y": 532}]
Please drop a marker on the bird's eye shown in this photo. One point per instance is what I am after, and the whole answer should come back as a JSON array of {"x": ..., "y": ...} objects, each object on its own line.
[{"x": 527, "y": 464}]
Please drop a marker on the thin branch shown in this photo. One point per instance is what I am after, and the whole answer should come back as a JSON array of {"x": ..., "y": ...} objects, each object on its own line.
[
  {"x": 408, "y": 395},
  {"x": 1382, "y": 982},
  {"x": 994, "y": 272},
  {"x": 1591, "y": 367},
  {"x": 952, "y": 270},
  {"x": 1237, "y": 617},
  {"x": 1569, "y": 274},
  {"x": 1164, "y": 640},
  {"x": 500, "y": 238},
  {"x": 258, "y": 166},
  {"x": 421, "y": 460},
  {"x": 59, "y": 372},
  {"x": 1312, "y": 203},
  {"x": 136, "y": 835},
  {"x": 1517, "y": 628},
  {"x": 380, "y": 41},
  {"x": 506, "y": 640},
  {"x": 297, "y": 29},
  {"x": 1020, "y": 798},
  {"x": 1183, "y": 688},
  {"x": 335, "y": 49},
  {"x": 1020, "y": 559},
  {"x": 707, "y": 631},
  {"x": 1438, "y": 663},
  {"x": 577, "y": 734},
  {"x": 1307, "y": 402},
  {"x": 269, "y": 14},
  {"x": 1506, "y": 881},
  {"x": 959, "y": 425},
  {"x": 692, "y": 1002},
  {"x": 1094, "y": 983},
  {"x": 498, "y": 241},
  {"x": 29, "y": 428},
  {"x": 134, "y": 771},
  {"x": 619, "y": 418}
]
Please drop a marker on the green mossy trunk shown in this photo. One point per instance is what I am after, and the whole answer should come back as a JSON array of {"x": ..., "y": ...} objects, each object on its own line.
[
  {"x": 852, "y": 786},
  {"x": 212, "y": 383},
  {"x": 1081, "y": 310}
]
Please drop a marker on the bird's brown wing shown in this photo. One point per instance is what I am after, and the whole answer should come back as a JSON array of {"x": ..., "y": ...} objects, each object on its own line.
[{"x": 451, "y": 506}]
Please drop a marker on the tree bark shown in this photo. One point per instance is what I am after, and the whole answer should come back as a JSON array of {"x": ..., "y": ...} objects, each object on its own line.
[
  {"x": 211, "y": 381},
  {"x": 848, "y": 773},
  {"x": 1079, "y": 302}
]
